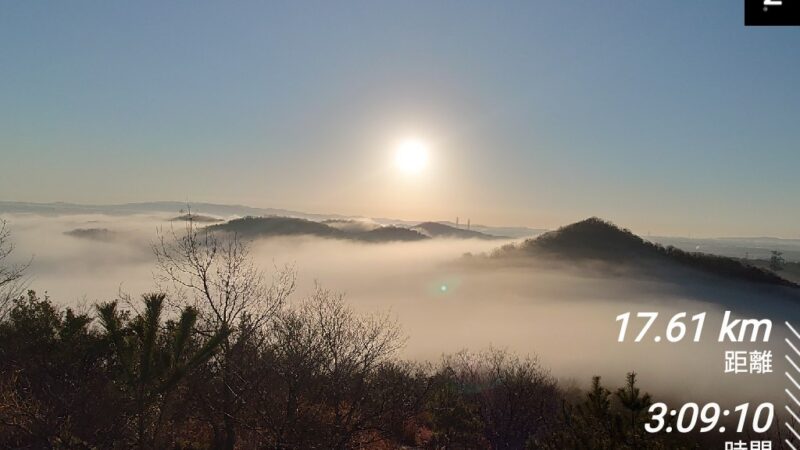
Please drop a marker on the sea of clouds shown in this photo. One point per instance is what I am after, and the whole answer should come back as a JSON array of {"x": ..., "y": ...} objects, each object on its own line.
[{"x": 566, "y": 318}]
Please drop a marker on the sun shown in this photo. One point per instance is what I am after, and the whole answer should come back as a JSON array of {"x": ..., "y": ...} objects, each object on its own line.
[{"x": 411, "y": 156}]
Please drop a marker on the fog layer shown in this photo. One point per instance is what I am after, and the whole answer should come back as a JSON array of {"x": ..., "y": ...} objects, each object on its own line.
[{"x": 565, "y": 317}]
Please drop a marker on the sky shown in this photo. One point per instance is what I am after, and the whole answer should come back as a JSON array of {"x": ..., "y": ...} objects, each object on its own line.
[{"x": 664, "y": 117}]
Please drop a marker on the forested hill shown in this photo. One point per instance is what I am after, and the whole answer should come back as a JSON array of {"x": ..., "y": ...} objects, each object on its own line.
[
  {"x": 256, "y": 227},
  {"x": 595, "y": 239}
]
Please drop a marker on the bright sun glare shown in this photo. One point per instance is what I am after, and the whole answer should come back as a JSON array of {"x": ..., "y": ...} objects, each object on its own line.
[{"x": 411, "y": 156}]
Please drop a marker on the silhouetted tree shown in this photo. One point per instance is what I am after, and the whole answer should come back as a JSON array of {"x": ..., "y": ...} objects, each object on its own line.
[
  {"x": 776, "y": 261},
  {"x": 598, "y": 403},
  {"x": 454, "y": 417},
  {"x": 218, "y": 278},
  {"x": 11, "y": 275},
  {"x": 154, "y": 361},
  {"x": 513, "y": 399},
  {"x": 55, "y": 389},
  {"x": 332, "y": 383},
  {"x": 634, "y": 403}
]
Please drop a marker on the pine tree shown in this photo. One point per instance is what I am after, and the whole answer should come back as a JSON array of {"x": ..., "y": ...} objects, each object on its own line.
[
  {"x": 634, "y": 402},
  {"x": 597, "y": 400},
  {"x": 153, "y": 361}
]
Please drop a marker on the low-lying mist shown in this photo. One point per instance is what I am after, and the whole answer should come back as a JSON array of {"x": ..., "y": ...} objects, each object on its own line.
[{"x": 445, "y": 303}]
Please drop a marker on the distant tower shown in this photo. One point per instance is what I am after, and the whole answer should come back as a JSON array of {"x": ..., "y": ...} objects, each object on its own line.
[
  {"x": 456, "y": 221},
  {"x": 467, "y": 224}
]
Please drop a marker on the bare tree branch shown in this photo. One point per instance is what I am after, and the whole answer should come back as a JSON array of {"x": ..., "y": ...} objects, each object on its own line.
[
  {"x": 217, "y": 276},
  {"x": 12, "y": 276}
]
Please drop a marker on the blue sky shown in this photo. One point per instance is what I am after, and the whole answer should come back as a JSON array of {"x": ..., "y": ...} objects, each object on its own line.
[{"x": 666, "y": 117}]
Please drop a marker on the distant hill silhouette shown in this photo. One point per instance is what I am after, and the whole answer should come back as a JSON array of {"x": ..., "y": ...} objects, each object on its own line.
[
  {"x": 197, "y": 218},
  {"x": 592, "y": 238},
  {"x": 389, "y": 234},
  {"x": 227, "y": 210},
  {"x": 440, "y": 230},
  {"x": 254, "y": 227},
  {"x": 600, "y": 240},
  {"x": 95, "y": 234}
]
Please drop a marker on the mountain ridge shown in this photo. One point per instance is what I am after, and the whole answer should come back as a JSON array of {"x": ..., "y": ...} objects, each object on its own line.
[
  {"x": 227, "y": 211},
  {"x": 438, "y": 229},
  {"x": 257, "y": 227},
  {"x": 599, "y": 240}
]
